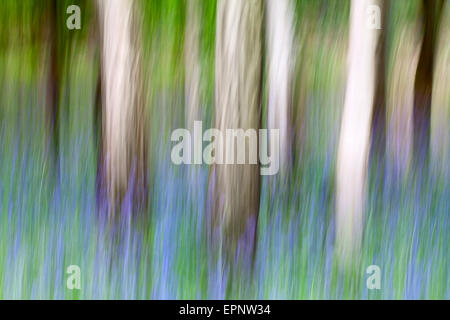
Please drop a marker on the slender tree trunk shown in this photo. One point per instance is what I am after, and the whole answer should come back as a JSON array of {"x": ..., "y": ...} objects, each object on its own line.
[
  {"x": 354, "y": 139},
  {"x": 124, "y": 125},
  {"x": 100, "y": 180},
  {"x": 378, "y": 136},
  {"x": 424, "y": 82},
  {"x": 279, "y": 33},
  {"x": 236, "y": 188},
  {"x": 53, "y": 82},
  {"x": 97, "y": 115},
  {"x": 192, "y": 63}
]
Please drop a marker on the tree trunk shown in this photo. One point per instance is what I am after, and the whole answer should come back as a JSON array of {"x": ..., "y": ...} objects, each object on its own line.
[
  {"x": 236, "y": 187},
  {"x": 53, "y": 82},
  {"x": 192, "y": 64},
  {"x": 354, "y": 138},
  {"x": 440, "y": 113},
  {"x": 378, "y": 136},
  {"x": 405, "y": 55},
  {"x": 124, "y": 143},
  {"x": 424, "y": 82},
  {"x": 279, "y": 52}
]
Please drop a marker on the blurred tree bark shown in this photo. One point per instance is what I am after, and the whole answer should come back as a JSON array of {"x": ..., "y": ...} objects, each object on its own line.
[
  {"x": 192, "y": 63},
  {"x": 354, "y": 140},
  {"x": 378, "y": 136},
  {"x": 279, "y": 34},
  {"x": 100, "y": 180},
  {"x": 53, "y": 81},
  {"x": 235, "y": 188},
  {"x": 124, "y": 123},
  {"x": 432, "y": 11},
  {"x": 440, "y": 113}
]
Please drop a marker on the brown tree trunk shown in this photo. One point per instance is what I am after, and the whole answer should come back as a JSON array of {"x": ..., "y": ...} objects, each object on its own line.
[
  {"x": 424, "y": 82},
  {"x": 100, "y": 180},
  {"x": 235, "y": 188},
  {"x": 192, "y": 63},
  {"x": 378, "y": 136},
  {"x": 53, "y": 82}
]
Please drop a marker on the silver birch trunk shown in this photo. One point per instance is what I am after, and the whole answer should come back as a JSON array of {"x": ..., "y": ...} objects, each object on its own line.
[
  {"x": 192, "y": 63},
  {"x": 279, "y": 35},
  {"x": 123, "y": 118},
  {"x": 236, "y": 187},
  {"x": 354, "y": 138}
]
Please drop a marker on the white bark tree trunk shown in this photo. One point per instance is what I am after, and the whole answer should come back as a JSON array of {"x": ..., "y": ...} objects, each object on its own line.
[
  {"x": 192, "y": 63},
  {"x": 123, "y": 119},
  {"x": 279, "y": 33},
  {"x": 236, "y": 188},
  {"x": 354, "y": 140}
]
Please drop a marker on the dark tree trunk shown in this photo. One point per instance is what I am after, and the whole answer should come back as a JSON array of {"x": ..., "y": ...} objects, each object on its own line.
[
  {"x": 53, "y": 82},
  {"x": 100, "y": 182},
  {"x": 424, "y": 82},
  {"x": 378, "y": 141}
]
